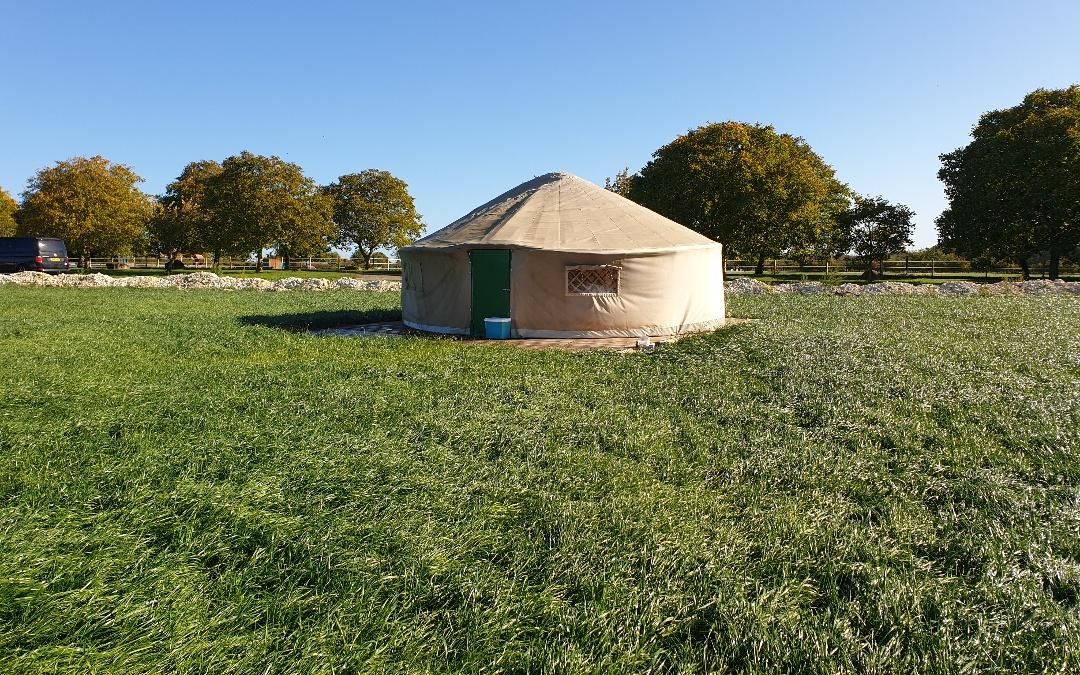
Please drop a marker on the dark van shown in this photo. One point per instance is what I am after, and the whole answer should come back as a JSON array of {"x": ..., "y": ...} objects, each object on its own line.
[{"x": 29, "y": 254}]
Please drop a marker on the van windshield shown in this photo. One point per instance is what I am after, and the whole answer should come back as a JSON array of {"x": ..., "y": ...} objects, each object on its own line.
[{"x": 52, "y": 247}]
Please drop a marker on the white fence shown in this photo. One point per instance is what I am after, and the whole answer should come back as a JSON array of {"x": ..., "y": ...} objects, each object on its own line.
[
  {"x": 239, "y": 264},
  {"x": 914, "y": 268},
  {"x": 919, "y": 268}
]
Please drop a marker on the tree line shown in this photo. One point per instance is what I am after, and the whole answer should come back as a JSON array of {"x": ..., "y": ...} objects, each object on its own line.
[
  {"x": 1014, "y": 191},
  {"x": 765, "y": 195},
  {"x": 245, "y": 204}
]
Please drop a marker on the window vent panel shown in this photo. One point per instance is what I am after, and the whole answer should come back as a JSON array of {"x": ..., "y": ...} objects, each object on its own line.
[{"x": 592, "y": 280}]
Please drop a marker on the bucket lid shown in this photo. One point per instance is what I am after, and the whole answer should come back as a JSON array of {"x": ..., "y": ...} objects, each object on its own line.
[{"x": 498, "y": 319}]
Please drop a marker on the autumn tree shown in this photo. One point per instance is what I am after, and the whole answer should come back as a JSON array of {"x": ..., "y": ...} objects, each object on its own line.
[
  {"x": 760, "y": 192},
  {"x": 91, "y": 203},
  {"x": 1014, "y": 191},
  {"x": 373, "y": 210},
  {"x": 620, "y": 185},
  {"x": 8, "y": 207},
  {"x": 257, "y": 202},
  {"x": 874, "y": 229},
  {"x": 182, "y": 222},
  {"x": 310, "y": 232}
]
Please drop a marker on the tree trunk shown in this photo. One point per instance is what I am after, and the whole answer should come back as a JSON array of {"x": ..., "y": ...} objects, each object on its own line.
[
  {"x": 1055, "y": 263},
  {"x": 1025, "y": 268},
  {"x": 217, "y": 258},
  {"x": 258, "y": 261},
  {"x": 84, "y": 259},
  {"x": 367, "y": 257},
  {"x": 285, "y": 261},
  {"x": 760, "y": 269}
]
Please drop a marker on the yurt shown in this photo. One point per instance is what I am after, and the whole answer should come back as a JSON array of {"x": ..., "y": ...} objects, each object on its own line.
[{"x": 562, "y": 257}]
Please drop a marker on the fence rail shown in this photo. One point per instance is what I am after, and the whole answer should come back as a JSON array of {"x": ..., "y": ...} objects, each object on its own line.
[
  {"x": 919, "y": 268},
  {"x": 237, "y": 264}
]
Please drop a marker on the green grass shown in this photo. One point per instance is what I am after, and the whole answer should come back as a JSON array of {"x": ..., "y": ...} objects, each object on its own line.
[{"x": 859, "y": 485}]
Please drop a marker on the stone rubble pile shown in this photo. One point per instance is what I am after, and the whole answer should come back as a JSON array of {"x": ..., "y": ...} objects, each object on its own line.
[
  {"x": 738, "y": 286},
  {"x": 744, "y": 286},
  {"x": 198, "y": 280}
]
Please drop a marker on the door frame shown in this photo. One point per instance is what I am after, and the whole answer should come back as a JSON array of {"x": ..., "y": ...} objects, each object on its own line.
[{"x": 476, "y": 325}]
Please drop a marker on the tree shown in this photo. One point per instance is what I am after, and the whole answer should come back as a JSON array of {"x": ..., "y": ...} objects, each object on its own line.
[
  {"x": 258, "y": 201},
  {"x": 874, "y": 229},
  {"x": 181, "y": 221},
  {"x": 621, "y": 184},
  {"x": 90, "y": 203},
  {"x": 373, "y": 210},
  {"x": 8, "y": 207},
  {"x": 1014, "y": 191},
  {"x": 759, "y": 192},
  {"x": 310, "y": 232}
]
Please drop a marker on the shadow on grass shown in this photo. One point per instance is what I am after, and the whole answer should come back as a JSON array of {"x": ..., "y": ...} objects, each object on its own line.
[{"x": 317, "y": 320}]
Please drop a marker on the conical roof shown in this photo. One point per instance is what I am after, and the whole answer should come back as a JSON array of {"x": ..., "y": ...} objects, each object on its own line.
[{"x": 561, "y": 212}]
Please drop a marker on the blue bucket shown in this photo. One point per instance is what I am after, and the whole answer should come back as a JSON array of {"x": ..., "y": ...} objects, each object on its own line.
[{"x": 497, "y": 328}]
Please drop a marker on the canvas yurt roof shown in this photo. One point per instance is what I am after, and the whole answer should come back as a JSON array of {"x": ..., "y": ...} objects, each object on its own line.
[{"x": 561, "y": 212}]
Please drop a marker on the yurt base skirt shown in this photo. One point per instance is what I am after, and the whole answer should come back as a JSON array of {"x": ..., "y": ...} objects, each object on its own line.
[
  {"x": 445, "y": 330},
  {"x": 527, "y": 333}
]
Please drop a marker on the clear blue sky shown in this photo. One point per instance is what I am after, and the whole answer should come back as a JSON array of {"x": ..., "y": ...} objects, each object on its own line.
[{"x": 464, "y": 100}]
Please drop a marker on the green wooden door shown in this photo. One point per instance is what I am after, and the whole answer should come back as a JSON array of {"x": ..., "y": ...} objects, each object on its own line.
[{"x": 490, "y": 286}]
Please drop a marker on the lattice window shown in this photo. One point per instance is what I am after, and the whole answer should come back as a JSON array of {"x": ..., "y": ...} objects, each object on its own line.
[{"x": 592, "y": 280}]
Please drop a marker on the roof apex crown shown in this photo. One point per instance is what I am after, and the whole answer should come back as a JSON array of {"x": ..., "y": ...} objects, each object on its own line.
[{"x": 562, "y": 212}]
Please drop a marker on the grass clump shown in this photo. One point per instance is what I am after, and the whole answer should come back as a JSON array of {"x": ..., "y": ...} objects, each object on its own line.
[{"x": 868, "y": 485}]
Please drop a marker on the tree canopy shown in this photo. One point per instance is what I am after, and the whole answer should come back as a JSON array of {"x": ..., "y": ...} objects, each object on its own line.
[
  {"x": 373, "y": 210},
  {"x": 873, "y": 229},
  {"x": 620, "y": 185},
  {"x": 8, "y": 207},
  {"x": 258, "y": 201},
  {"x": 182, "y": 222},
  {"x": 90, "y": 203},
  {"x": 1014, "y": 191},
  {"x": 759, "y": 192}
]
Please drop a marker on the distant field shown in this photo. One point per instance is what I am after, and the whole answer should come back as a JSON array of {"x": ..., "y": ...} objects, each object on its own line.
[{"x": 885, "y": 484}]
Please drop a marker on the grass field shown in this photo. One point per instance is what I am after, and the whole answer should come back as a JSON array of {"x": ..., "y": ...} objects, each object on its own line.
[{"x": 861, "y": 485}]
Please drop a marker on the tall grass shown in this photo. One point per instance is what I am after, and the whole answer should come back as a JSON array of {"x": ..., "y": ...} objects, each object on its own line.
[{"x": 861, "y": 485}]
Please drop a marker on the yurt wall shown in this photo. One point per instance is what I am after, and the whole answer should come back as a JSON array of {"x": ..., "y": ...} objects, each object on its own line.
[
  {"x": 662, "y": 293},
  {"x": 435, "y": 290}
]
